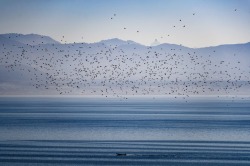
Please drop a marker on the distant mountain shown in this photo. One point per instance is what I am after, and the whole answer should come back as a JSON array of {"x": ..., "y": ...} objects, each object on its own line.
[
  {"x": 118, "y": 67},
  {"x": 6, "y": 41},
  {"x": 30, "y": 39},
  {"x": 116, "y": 42},
  {"x": 155, "y": 43}
]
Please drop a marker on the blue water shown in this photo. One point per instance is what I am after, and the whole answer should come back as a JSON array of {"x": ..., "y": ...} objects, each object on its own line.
[
  {"x": 56, "y": 131},
  {"x": 143, "y": 118}
]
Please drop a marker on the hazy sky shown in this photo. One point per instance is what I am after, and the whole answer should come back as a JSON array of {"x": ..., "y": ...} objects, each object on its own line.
[{"x": 215, "y": 21}]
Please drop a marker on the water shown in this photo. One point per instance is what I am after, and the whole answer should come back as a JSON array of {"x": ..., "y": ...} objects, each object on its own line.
[
  {"x": 132, "y": 119},
  {"x": 150, "y": 130}
]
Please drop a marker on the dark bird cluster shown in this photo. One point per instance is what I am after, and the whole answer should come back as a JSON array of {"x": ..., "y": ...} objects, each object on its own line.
[{"x": 125, "y": 68}]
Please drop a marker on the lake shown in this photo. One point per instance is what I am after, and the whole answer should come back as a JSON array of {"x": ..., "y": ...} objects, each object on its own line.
[{"x": 145, "y": 130}]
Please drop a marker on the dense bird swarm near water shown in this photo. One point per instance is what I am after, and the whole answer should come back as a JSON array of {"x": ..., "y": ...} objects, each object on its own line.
[{"x": 129, "y": 68}]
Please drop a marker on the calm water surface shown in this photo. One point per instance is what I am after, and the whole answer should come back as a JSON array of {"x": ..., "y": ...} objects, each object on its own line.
[
  {"x": 61, "y": 118},
  {"x": 58, "y": 131}
]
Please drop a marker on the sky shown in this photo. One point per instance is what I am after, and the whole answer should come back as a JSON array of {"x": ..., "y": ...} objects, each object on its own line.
[{"x": 203, "y": 22}]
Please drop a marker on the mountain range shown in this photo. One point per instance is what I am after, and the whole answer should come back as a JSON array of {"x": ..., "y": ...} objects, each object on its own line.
[
  {"x": 29, "y": 39},
  {"x": 39, "y": 65}
]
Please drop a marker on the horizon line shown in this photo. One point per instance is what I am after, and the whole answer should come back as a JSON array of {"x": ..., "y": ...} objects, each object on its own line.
[{"x": 124, "y": 41}]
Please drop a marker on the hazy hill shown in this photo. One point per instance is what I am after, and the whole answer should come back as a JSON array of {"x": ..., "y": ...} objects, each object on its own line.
[
  {"x": 117, "y": 67},
  {"x": 30, "y": 39},
  {"x": 116, "y": 42},
  {"x": 7, "y": 41}
]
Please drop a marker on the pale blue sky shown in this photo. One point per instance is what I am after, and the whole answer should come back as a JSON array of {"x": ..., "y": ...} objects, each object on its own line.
[{"x": 215, "y": 21}]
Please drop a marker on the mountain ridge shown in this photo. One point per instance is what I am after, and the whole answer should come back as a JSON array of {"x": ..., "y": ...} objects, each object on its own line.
[
  {"x": 119, "y": 68},
  {"x": 30, "y": 39},
  {"x": 113, "y": 42}
]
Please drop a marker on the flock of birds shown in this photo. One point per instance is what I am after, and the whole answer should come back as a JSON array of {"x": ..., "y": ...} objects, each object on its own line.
[
  {"x": 125, "y": 28},
  {"x": 127, "y": 69}
]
